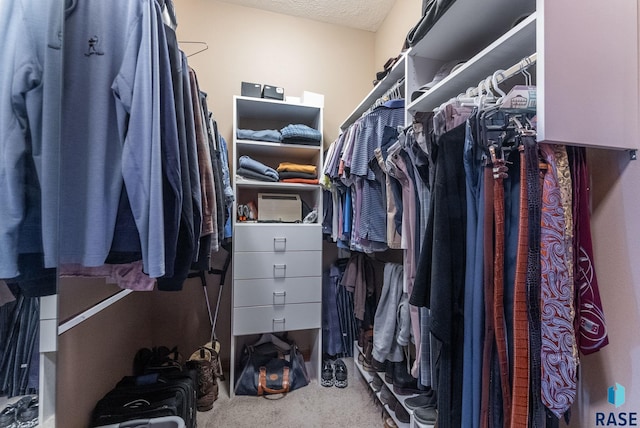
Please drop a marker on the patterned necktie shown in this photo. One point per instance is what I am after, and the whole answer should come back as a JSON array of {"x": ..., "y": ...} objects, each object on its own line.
[{"x": 558, "y": 350}]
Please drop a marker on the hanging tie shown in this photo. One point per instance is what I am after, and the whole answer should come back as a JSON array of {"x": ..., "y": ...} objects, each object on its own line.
[{"x": 558, "y": 350}]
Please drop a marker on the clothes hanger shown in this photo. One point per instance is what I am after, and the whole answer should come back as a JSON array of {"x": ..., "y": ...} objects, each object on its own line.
[{"x": 186, "y": 42}]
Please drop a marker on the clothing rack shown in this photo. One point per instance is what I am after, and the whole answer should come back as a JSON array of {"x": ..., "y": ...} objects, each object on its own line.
[
  {"x": 501, "y": 75},
  {"x": 393, "y": 93}
]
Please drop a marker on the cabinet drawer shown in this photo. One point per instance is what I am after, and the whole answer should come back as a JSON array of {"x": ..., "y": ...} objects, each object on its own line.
[
  {"x": 277, "y": 265},
  {"x": 268, "y": 319},
  {"x": 257, "y": 292},
  {"x": 277, "y": 237}
]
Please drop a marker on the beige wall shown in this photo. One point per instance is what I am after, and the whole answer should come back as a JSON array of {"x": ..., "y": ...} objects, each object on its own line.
[
  {"x": 616, "y": 237},
  {"x": 392, "y": 33},
  {"x": 251, "y": 45}
]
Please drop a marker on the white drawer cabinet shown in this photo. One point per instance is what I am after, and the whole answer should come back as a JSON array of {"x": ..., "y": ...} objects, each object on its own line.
[{"x": 277, "y": 267}]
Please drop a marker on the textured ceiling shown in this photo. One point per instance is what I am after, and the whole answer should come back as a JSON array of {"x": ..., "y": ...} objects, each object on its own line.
[{"x": 360, "y": 14}]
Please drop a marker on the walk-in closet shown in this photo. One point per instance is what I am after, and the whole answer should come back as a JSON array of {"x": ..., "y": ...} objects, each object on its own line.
[{"x": 393, "y": 213}]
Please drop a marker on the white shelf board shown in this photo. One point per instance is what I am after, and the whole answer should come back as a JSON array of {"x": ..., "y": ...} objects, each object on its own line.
[
  {"x": 265, "y": 148},
  {"x": 267, "y": 109},
  {"x": 396, "y": 72},
  {"x": 468, "y": 26},
  {"x": 506, "y": 51},
  {"x": 257, "y": 184}
]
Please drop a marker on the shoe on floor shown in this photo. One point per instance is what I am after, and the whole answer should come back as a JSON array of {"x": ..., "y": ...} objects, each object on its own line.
[
  {"x": 326, "y": 378},
  {"x": 426, "y": 415},
  {"x": 340, "y": 374}
]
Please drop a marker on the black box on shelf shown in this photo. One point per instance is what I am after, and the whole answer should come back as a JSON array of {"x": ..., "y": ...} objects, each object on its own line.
[
  {"x": 273, "y": 92},
  {"x": 249, "y": 89}
]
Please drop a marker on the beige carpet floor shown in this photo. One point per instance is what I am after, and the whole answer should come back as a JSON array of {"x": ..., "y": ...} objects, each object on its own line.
[{"x": 309, "y": 407}]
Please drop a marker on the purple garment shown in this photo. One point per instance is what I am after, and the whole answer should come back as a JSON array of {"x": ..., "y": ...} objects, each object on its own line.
[
  {"x": 558, "y": 351},
  {"x": 128, "y": 276},
  {"x": 591, "y": 330}
]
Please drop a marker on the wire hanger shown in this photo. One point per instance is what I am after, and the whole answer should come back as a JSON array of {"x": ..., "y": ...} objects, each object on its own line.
[{"x": 206, "y": 46}]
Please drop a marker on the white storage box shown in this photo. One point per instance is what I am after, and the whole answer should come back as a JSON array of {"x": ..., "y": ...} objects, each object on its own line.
[
  {"x": 279, "y": 207},
  {"x": 312, "y": 99}
]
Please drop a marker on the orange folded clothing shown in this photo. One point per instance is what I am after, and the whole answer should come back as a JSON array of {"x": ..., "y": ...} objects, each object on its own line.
[
  {"x": 295, "y": 167},
  {"x": 300, "y": 180}
]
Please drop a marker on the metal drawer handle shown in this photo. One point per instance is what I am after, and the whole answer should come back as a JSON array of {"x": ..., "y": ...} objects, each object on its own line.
[
  {"x": 278, "y": 321},
  {"x": 281, "y": 294},
  {"x": 280, "y": 271},
  {"x": 279, "y": 244}
]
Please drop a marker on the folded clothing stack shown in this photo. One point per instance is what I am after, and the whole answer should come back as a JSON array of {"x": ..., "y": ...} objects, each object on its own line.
[
  {"x": 271, "y": 135},
  {"x": 297, "y": 173},
  {"x": 301, "y": 134},
  {"x": 251, "y": 168}
]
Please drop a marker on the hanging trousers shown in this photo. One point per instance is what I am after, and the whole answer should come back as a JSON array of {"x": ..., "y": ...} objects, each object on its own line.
[{"x": 474, "y": 293}]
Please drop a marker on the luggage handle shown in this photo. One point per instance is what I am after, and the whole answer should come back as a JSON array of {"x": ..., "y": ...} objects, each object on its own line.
[
  {"x": 137, "y": 423},
  {"x": 262, "y": 382}
]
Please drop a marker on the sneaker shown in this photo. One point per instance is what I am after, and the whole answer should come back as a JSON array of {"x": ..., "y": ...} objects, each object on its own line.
[
  {"x": 8, "y": 418},
  {"x": 340, "y": 374},
  {"x": 426, "y": 415},
  {"x": 327, "y": 374},
  {"x": 422, "y": 400}
]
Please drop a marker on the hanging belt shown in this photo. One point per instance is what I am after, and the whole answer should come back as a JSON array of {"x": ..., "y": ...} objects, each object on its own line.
[
  {"x": 489, "y": 335},
  {"x": 499, "y": 174},
  {"x": 520, "y": 409},
  {"x": 534, "y": 202}
]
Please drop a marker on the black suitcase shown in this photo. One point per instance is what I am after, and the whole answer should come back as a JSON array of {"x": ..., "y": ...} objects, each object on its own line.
[{"x": 149, "y": 396}]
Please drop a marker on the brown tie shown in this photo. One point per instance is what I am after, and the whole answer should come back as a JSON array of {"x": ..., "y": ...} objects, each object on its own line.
[{"x": 520, "y": 409}]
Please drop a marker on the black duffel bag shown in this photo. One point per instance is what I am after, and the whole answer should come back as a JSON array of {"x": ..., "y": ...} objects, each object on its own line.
[{"x": 268, "y": 369}]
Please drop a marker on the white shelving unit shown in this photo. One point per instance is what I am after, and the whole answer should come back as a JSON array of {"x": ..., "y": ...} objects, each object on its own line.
[
  {"x": 369, "y": 376},
  {"x": 277, "y": 267},
  {"x": 586, "y": 66}
]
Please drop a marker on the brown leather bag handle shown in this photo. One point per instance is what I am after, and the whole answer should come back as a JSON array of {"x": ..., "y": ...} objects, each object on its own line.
[{"x": 262, "y": 382}]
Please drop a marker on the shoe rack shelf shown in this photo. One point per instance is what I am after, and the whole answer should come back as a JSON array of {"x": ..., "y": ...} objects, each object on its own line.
[{"x": 369, "y": 376}]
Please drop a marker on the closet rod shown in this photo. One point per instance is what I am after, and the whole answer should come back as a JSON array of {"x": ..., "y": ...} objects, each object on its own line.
[
  {"x": 396, "y": 89},
  {"x": 83, "y": 316},
  {"x": 517, "y": 68},
  {"x": 503, "y": 75}
]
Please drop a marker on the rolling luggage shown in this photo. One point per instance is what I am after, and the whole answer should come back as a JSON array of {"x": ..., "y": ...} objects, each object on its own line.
[{"x": 149, "y": 396}]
